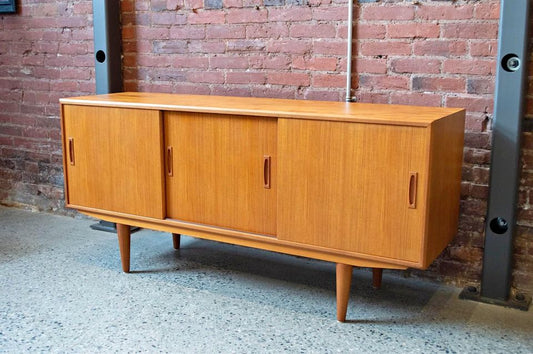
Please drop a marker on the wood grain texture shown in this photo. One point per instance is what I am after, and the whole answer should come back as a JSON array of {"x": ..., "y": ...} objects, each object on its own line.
[
  {"x": 346, "y": 186},
  {"x": 344, "y": 281},
  {"x": 218, "y": 173},
  {"x": 118, "y": 159},
  {"x": 444, "y": 188},
  {"x": 269, "y": 107}
]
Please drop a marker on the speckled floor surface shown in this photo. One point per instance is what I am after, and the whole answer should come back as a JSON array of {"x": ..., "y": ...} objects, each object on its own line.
[{"x": 62, "y": 291}]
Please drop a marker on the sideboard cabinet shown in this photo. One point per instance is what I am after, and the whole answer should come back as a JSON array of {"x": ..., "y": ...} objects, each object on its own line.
[{"x": 356, "y": 184}]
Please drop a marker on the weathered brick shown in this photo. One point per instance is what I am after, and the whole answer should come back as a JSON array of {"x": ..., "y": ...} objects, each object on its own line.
[
  {"x": 148, "y": 33},
  {"x": 158, "y": 5},
  {"x": 310, "y": 30},
  {"x": 485, "y": 48},
  {"x": 413, "y": 30},
  {"x": 289, "y": 78},
  {"x": 231, "y": 3},
  {"x": 369, "y": 31},
  {"x": 278, "y": 62},
  {"x": 444, "y": 48},
  {"x": 487, "y": 11},
  {"x": 472, "y": 66},
  {"x": 330, "y": 13},
  {"x": 273, "y": 91},
  {"x": 247, "y": 15},
  {"x": 388, "y": 13},
  {"x": 207, "y": 46},
  {"x": 385, "y": 48},
  {"x": 206, "y": 17},
  {"x": 205, "y": 77},
  {"x": 245, "y": 78},
  {"x": 470, "y": 30},
  {"x": 384, "y": 82},
  {"x": 446, "y": 84},
  {"x": 291, "y": 14},
  {"x": 274, "y": 2},
  {"x": 162, "y": 74},
  {"x": 466, "y": 254},
  {"x": 245, "y": 45},
  {"x": 472, "y": 103},
  {"x": 229, "y": 62},
  {"x": 329, "y": 47},
  {"x": 127, "y": 6},
  {"x": 166, "y": 19},
  {"x": 74, "y": 73},
  {"x": 370, "y": 66},
  {"x": 225, "y": 31},
  {"x": 480, "y": 86},
  {"x": 213, "y": 4},
  {"x": 322, "y": 95},
  {"x": 227, "y": 90},
  {"x": 476, "y": 207},
  {"x": 170, "y": 47},
  {"x": 188, "y": 32},
  {"x": 267, "y": 30},
  {"x": 429, "y": 11},
  {"x": 295, "y": 46},
  {"x": 477, "y": 140},
  {"x": 328, "y": 80},
  {"x": 416, "y": 99},
  {"x": 416, "y": 65},
  {"x": 315, "y": 63},
  {"x": 476, "y": 121}
]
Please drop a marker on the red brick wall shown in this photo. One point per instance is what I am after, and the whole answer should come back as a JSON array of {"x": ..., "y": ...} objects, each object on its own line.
[
  {"x": 437, "y": 53},
  {"x": 45, "y": 53}
]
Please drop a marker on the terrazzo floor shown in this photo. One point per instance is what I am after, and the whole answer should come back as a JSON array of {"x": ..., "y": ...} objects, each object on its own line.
[{"x": 62, "y": 291}]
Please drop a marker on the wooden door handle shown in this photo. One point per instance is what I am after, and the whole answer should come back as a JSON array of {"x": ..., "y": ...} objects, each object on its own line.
[
  {"x": 71, "y": 151},
  {"x": 170, "y": 171},
  {"x": 266, "y": 171},
  {"x": 413, "y": 182}
]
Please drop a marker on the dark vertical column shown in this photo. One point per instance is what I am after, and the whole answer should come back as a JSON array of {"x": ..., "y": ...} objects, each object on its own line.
[
  {"x": 107, "y": 46},
  {"x": 500, "y": 225},
  {"x": 505, "y": 164}
]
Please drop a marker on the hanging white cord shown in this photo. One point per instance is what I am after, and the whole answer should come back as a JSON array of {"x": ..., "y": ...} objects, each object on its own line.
[{"x": 349, "y": 53}]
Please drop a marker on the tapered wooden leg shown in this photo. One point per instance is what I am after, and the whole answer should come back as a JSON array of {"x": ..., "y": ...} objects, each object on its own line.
[
  {"x": 344, "y": 281},
  {"x": 377, "y": 275},
  {"x": 176, "y": 238},
  {"x": 123, "y": 232}
]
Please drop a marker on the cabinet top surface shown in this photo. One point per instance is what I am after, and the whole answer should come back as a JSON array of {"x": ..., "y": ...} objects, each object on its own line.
[{"x": 270, "y": 107}]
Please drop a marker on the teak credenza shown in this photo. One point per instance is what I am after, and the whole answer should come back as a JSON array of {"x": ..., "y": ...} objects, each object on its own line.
[{"x": 357, "y": 184}]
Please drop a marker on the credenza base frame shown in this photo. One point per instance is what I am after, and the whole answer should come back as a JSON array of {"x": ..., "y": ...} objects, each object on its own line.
[{"x": 344, "y": 263}]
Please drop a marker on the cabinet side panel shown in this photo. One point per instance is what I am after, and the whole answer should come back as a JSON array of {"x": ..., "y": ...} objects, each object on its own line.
[
  {"x": 219, "y": 170},
  {"x": 444, "y": 188},
  {"x": 346, "y": 186},
  {"x": 118, "y": 162}
]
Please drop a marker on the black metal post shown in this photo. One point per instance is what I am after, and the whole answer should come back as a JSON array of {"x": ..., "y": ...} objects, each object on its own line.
[
  {"x": 107, "y": 46},
  {"x": 500, "y": 225}
]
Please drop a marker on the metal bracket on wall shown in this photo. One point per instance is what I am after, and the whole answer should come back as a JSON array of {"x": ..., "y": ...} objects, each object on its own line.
[{"x": 500, "y": 224}]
